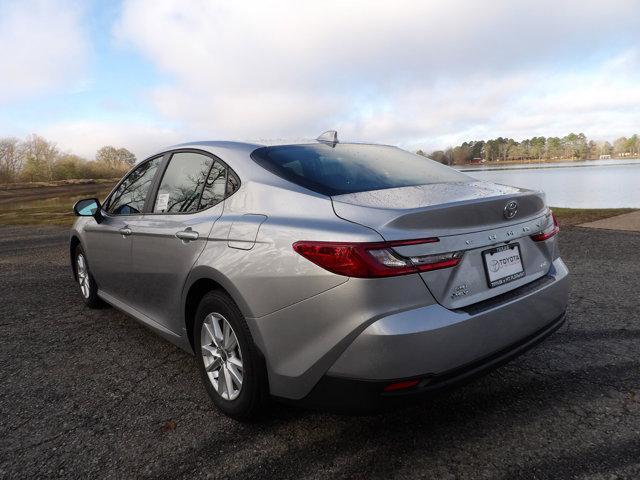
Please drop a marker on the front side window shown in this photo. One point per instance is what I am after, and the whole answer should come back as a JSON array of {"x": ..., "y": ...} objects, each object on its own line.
[{"x": 129, "y": 197}]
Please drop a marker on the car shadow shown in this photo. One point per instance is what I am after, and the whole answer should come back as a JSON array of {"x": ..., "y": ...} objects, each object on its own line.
[{"x": 517, "y": 400}]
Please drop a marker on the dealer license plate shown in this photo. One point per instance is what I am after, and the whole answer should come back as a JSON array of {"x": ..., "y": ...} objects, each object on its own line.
[{"x": 503, "y": 264}]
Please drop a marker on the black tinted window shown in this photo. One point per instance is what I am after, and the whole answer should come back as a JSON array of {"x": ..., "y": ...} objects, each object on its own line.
[
  {"x": 350, "y": 168},
  {"x": 214, "y": 189},
  {"x": 182, "y": 183},
  {"x": 233, "y": 183},
  {"x": 131, "y": 194}
]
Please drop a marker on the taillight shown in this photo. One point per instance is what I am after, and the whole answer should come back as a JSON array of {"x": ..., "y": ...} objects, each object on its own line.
[
  {"x": 376, "y": 259},
  {"x": 394, "y": 387},
  {"x": 548, "y": 232}
]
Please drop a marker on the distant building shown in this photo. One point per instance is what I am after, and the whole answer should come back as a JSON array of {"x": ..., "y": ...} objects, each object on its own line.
[
  {"x": 478, "y": 160},
  {"x": 605, "y": 157}
]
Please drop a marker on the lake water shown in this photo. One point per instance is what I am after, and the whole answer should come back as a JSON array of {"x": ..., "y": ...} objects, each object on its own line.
[{"x": 588, "y": 184}]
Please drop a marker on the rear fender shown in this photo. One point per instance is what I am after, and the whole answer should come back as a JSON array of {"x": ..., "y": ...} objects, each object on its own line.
[{"x": 209, "y": 273}]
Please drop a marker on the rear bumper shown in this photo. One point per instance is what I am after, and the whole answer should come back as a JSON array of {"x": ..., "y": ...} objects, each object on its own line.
[
  {"x": 441, "y": 347},
  {"x": 343, "y": 394},
  {"x": 432, "y": 340},
  {"x": 387, "y": 329}
]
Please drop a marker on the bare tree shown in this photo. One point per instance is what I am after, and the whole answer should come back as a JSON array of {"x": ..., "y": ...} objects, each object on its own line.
[
  {"x": 39, "y": 156},
  {"x": 115, "y": 157},
  {"x": 620, "y": 146},
  {"x": 10, "y": 159}
]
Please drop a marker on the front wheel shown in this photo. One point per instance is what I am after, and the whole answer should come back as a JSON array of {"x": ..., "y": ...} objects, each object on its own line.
[
  {"x": 230, "y": 364},
  {"x": 88, "y": 287}
]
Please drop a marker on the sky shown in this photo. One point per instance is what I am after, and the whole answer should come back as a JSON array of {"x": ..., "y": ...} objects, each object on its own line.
[{"x": 145, "y": 74}]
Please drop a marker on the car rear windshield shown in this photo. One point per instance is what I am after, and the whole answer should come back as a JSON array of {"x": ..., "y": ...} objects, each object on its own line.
[{"x": 350, "y": 168}]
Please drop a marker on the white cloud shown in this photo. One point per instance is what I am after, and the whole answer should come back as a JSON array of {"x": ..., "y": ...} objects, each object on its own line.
[
  {"x": 43, "y": 47},
  {"x": 407, "y": 72},
  {"x": 421, "y": 74},
  {"x": 85, "y": 137}
]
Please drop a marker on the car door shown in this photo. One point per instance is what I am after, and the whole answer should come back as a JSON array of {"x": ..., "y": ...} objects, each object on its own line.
[
  {"x": 168, "y": 240},
  {"x": 109, "y": 242}
]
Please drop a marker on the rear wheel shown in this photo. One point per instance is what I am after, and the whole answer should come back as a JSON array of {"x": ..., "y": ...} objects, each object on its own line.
[
  {"x": 88, "y": 287},
  {"x": 231, "y": 366}
]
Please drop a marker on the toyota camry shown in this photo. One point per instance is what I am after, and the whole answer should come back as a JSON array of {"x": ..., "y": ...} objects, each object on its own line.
[{"x": 329, "y": 274}]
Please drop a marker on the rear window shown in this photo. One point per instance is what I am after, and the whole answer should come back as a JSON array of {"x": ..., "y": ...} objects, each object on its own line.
[{"x": 351, "y": 168}]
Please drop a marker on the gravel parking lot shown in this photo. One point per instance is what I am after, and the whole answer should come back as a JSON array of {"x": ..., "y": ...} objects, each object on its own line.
[{"x": 94, "y": 394}]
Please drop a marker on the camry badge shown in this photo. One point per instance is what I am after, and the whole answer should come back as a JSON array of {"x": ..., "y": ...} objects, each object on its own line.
[{"x": 510, "y": 210}]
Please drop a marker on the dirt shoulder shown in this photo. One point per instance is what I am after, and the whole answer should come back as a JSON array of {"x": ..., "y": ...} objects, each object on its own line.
[
  {"x": 20, "y": 192},
  {"x": 47, "y": 204}
]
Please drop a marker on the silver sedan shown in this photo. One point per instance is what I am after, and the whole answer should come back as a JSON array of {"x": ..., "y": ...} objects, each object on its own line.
[{"x": 323, "y": 273}]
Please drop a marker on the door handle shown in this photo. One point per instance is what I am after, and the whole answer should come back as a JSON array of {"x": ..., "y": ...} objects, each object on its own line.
[
  {"x": 125, "y": 232},
  {"x": 187, "y": 235}
]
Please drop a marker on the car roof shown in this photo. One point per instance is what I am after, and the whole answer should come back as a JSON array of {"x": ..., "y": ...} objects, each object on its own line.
[
  {"x": 238, "y": 156},
  {"x": 218, "y": 144},
  {"x": 210, "y": 145}
]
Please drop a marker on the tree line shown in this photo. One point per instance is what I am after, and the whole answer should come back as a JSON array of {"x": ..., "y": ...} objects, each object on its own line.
[
  {"x": 573, "y": 146},
  {"x": 35, "y": 159}
]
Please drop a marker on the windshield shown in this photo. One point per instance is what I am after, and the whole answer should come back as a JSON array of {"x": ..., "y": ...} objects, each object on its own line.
[{"x": 351, "y": 168}]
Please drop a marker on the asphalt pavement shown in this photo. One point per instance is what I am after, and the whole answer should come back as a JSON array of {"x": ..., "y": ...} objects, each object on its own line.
[{"x": 92, "y": 394}]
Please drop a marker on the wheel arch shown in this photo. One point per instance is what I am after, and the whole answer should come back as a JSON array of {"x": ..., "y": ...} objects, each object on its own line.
[
  {"x": 74, "y": 241},
  {"x": 201, "y": 281}
]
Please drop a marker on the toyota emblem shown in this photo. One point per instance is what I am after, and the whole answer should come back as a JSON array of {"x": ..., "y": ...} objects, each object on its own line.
[{"x": 510, "y": 210}]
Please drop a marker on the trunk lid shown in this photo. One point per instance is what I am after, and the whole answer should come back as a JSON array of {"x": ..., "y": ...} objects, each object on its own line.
[{"x": 470, "y": 217}]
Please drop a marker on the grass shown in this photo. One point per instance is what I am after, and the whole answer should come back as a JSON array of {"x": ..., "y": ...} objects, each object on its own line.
[
  {"x": 575, "y": 216},
  {"x": 48, "y": 211}
]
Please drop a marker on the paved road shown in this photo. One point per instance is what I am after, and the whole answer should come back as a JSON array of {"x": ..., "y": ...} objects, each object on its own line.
[{"x": 88, "y": 393}]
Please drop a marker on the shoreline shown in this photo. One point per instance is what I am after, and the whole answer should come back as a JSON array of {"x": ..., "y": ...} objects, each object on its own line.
[{"x": 540, "y": 166}]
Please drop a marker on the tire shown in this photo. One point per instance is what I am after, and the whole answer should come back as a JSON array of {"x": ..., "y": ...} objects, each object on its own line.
[
  {"x": 88, "y": 288},
  {"x": 235, "y": 360}
]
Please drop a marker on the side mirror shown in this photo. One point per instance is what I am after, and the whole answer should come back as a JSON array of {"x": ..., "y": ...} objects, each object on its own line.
[{"x": 88, "y": 207}]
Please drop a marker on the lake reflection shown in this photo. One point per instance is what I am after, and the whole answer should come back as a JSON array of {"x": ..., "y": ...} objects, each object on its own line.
[{"x": 577, "y": 185}]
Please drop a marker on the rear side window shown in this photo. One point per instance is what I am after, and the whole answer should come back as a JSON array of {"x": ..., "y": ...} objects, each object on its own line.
[
  {"x": 351, "y": 168},
  {"x": 233, "y": 183},
  {"x": 182, "y": 183},
  {"x": 191, "y": 182},
  {"x": 129, "y": 197},
  {"x": 215, "y": 186}
]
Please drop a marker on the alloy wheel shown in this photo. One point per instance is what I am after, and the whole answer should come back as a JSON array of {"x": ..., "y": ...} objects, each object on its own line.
[
  {"x": 221, "y": 356},
  {"x": 83, "y": 275}
]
